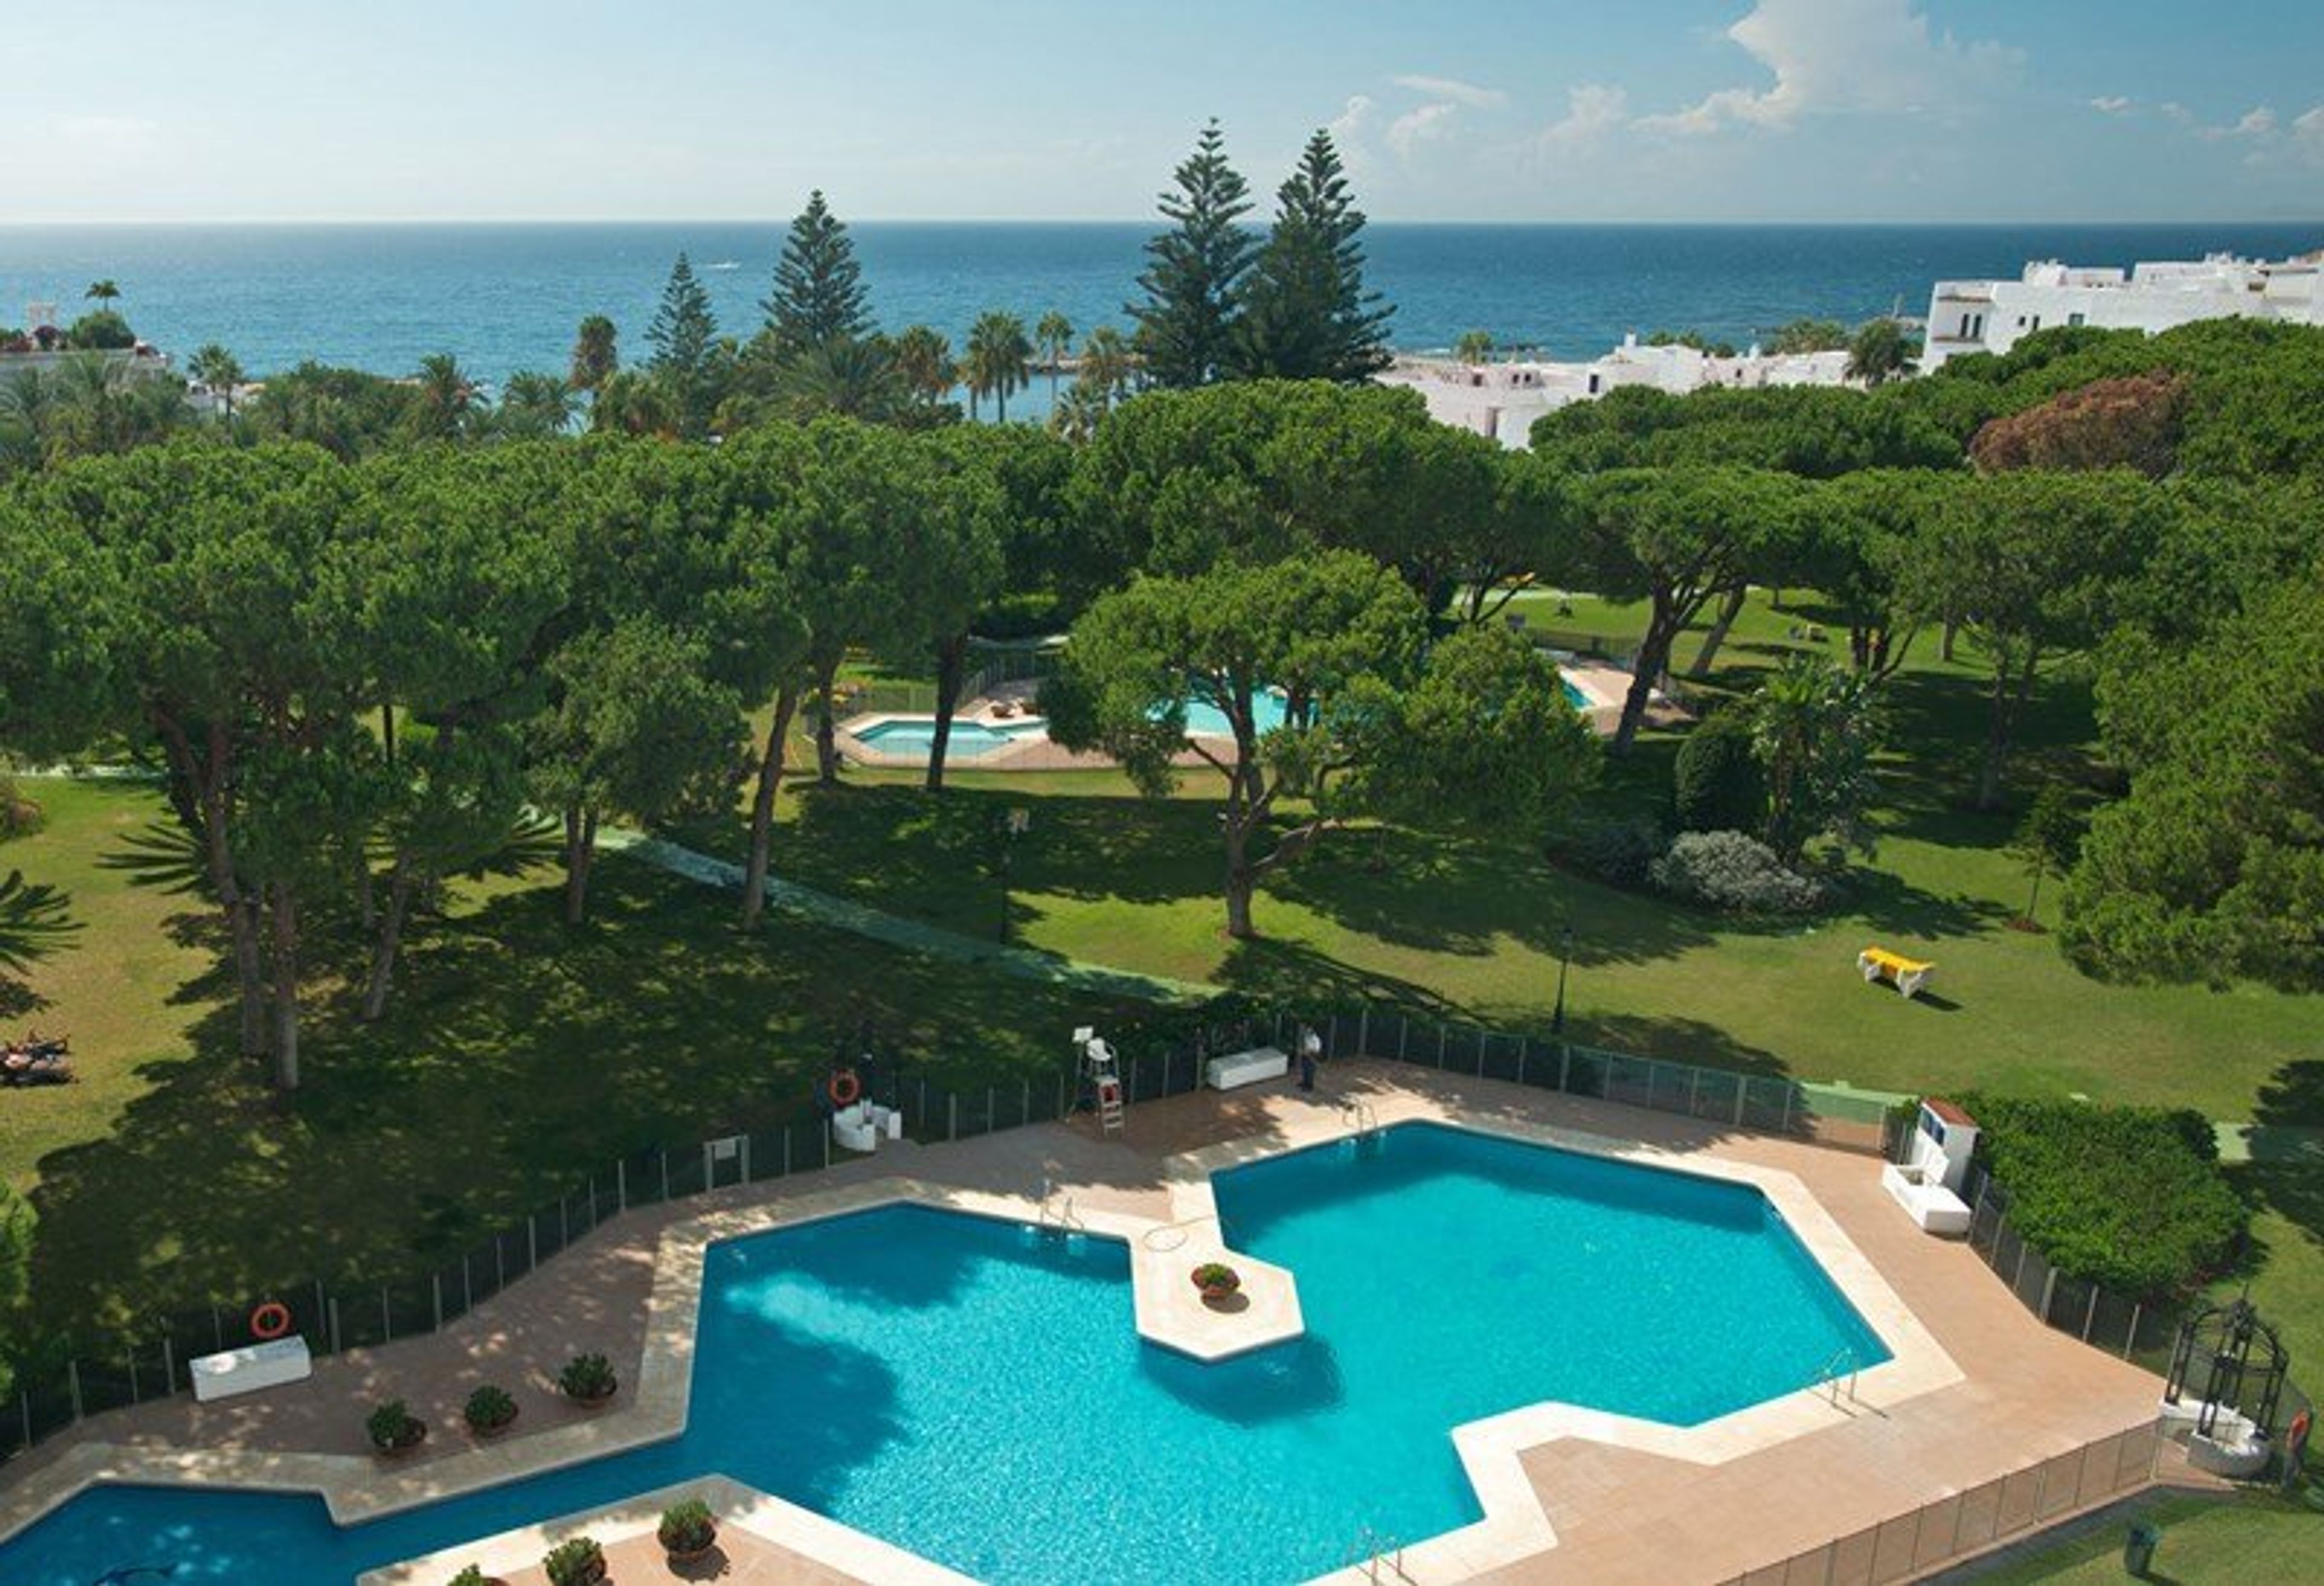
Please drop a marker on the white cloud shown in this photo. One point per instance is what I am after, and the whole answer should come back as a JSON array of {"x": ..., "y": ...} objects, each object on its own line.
[
  {"x": 1592, "y": 109},
  {"x": 1425, "y": 124},
  {"x": 1347, "y": 128},
  {"x": 1455, "y": 89},
  {"x": 1829, "y": 55},
  {"x": 2112, "y": 105},
  {"x": 2307, "y": 133}
]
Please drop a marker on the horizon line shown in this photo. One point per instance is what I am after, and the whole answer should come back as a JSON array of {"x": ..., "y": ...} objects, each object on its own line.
[{"x": 1917, "y": 224}]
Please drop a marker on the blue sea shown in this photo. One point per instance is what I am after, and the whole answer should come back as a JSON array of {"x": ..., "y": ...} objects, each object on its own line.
[{"x": 507, "y": 297}]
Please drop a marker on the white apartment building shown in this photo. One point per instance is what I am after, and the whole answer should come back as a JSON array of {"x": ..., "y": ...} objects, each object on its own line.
[
  {"x": 1502, "y": 399},
  {"x": 1992, "y": 316}
]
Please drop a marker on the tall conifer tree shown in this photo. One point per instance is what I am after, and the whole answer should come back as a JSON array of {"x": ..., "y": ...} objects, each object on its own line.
[
  {"x": 1194, "y": 270},
  {"x": 1306, "y": 315},
  {"x": 819, "y": 295},
  {"x": 684, "y": 337}
]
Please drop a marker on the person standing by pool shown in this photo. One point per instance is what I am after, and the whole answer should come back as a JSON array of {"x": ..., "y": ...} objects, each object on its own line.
[{"x": 1311, "y": 1048}]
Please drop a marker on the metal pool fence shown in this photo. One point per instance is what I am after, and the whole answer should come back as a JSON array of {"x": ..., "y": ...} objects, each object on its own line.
[
  {"x": 57, "y": 1388},
  {"x": 2136, "y": 1330},
  {"x": 1909, "y": 1547}
]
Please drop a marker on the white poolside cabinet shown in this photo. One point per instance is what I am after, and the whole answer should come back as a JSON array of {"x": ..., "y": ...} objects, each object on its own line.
[
  {"x": 246, "y": 1370},
  {"x": 1246, "y": 1068}
]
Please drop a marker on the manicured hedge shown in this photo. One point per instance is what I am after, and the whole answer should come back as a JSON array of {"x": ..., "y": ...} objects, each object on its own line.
[{"x": 2131, "y": 1198}]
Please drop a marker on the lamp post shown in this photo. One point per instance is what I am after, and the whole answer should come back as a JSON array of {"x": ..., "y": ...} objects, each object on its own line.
[{"x": 1565, "y": 957}]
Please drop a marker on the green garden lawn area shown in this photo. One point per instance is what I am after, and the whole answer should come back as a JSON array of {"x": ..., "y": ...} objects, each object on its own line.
[
  {"x": 1473, "y": 926},
  {"x": 2204, "y": 1541},
  {"x": 517, "y": 1059}
]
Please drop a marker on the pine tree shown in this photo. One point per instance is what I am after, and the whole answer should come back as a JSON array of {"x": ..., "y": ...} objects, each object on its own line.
[
  {"x": 819, "y": 297},
  {"x": 684, "y": 337},
  {"x": 1194, "y": 271},
  {"x": 1306, "y": 315}
]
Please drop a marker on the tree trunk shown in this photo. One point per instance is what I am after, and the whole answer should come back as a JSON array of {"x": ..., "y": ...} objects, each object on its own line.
[
  {"x": 2009, "y": 697},
  {"x": 206, "y": 775},
  {"x": 1654, "y": 655},
  {"x": 826, "y": 741},
  {"x": 391, "y": 939},
  {"x": 580, "y": 851},
  {"x": 387, "y": 731},
  {"x": 952, "y": 671},
  {"x": 366, "y": 898},
  {"x": 1729, "y": 609},
  {"x": 1952, "y": 631},
  {"x": 286, "y": 990},
  {"x": 762, "y": 805}
]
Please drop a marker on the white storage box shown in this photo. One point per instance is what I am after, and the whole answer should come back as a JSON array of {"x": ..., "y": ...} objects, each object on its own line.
[
  {"x": 246, "y": 1370},
  {"x": 1246, "y": 1068}
]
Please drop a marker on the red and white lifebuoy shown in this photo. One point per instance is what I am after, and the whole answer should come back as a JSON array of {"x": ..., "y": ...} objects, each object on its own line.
[
  {"x": 843, "y": 1087},
  {"x": 271, "y": 1321}
]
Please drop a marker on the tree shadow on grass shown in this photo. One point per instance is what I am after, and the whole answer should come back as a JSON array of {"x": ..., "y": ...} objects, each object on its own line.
[
  {"x": 519, "y": 1057},
  {"x": 2287, "y": 1166},
  {"x": 1675, "y": 1039}
]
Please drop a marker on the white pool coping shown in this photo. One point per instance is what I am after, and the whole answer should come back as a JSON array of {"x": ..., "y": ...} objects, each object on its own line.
[{"x": 1514, "y": 1526}]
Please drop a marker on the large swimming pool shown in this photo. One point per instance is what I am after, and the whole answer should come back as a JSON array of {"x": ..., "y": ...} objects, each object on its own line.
[{"x": 977, "y": 1393}]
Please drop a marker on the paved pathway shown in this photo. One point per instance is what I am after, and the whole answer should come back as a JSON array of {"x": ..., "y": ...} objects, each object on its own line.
[{"x": 863, "y": 920}]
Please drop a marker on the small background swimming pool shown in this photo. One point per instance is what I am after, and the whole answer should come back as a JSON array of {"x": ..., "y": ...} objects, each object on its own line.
[
  {"x": 916, "y": 735},
  {"x": 976, "y": 1393}
]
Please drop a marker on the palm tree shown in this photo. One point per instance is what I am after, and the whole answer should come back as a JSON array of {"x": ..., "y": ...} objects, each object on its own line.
[
  {"x": 1079, "y": 412},
  {"x": 1474, "y": 346},
  {"x": 103, "y": 292},
  {"x": 594, "y": 357},
  {"x": 1108, "y": 363},
  {"x": 1879, "y": 353},
  {"x": 535, "y": 403},
  {"x": 924, "y": 362},
  {"x": 35, "y": 920},
  {"x": 219, "y": 371},
  {"x": 998, "y": 353},
  {"x": 444, "y": 396},
  {"x": 1054, "y": 334},
  {"x": 855, "y": 379},
  {"x": 633, "y": 402}
]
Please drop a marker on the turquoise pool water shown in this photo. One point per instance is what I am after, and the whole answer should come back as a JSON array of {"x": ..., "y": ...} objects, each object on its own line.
[
  {"x": 917, "y": 735},
  {"x": 977, "y": 1393}
]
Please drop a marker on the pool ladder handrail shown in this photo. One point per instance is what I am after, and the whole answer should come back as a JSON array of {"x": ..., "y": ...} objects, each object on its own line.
[
  {"x": 1055, "y": 1212},
  {"x": 1830, "y": 1374},
  {"x": 1371, "y": 1550},
  {"x": 1357, "y": 1113}
]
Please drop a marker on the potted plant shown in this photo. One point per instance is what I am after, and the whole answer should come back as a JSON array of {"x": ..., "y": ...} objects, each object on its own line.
[
  {"x": 579, "y": 1562},
  {"x": 473, "y": 1575},
  {"x": 1217, "y": 1280},
  {"x": 688, "y": 1531},
  {"x": 488, "y": 1411},
  {"x": 394, "y": 1429},
  {"x": 588, "y": 1379}
]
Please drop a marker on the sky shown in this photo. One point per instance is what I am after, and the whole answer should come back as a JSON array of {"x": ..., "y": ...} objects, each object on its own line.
[{"x": 1521, "y": 110}]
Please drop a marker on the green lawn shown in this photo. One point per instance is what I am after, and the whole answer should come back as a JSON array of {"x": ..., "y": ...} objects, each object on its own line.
[
  {"x": 1475, "y": 926},
  {"x": 2205, "y": 1541},
  {"x": 519, "y": 1056}
]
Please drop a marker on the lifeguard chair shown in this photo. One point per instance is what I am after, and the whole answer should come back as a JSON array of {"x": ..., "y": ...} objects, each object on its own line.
[
  {"x": 1100, "y": 1075},
  {"x": 1907, "y": 974}
]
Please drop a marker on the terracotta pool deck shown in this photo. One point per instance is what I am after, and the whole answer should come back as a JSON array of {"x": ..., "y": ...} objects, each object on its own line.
[{"x": 1988, "y": 1389}]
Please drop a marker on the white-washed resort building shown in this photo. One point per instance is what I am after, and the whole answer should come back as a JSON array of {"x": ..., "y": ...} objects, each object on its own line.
[
  {"x": 1502, "y": 399},
  {"x": 1993, "y": 316}
]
